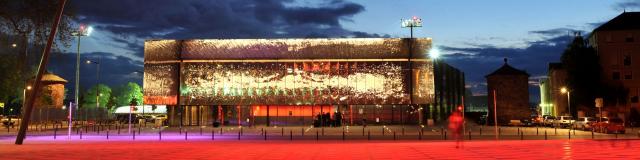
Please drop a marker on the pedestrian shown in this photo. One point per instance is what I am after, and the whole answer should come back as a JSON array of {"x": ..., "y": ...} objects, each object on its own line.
[{"x": 455, "y": 125}]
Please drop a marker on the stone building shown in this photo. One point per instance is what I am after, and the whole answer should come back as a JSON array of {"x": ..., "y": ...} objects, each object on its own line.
[
  {"x": 617, "y": 43},
  {"x": 557, "y": 80},
  {"x": 49, "y": 105},
  {"x": 510, "y": 87}
]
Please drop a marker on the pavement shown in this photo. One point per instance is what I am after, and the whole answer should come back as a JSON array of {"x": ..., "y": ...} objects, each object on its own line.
[{"x": 329, "y": 149}]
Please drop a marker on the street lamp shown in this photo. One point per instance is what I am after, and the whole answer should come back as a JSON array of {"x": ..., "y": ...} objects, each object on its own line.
[
  {"x": 98, "y": 94},
  {"x": 564, "y": 90},
  {"x": 83, "y": 30},
  {"x": 14, "y": 45}
]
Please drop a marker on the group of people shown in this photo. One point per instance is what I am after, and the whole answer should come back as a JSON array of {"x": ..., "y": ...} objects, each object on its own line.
[{"x": 325, "y": 120}]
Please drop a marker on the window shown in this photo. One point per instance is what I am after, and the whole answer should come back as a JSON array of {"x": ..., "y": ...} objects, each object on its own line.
[
  {"x": 628, "y": 75},
  {"x": 627, "y": 60},
  {"x": 616, "y": 76},
  {"x": 629, "y": 38}
]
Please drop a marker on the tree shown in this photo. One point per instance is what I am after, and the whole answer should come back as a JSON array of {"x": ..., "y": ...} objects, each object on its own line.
[
  {"x": 129, "y": 92},
  {"x": 583, "y": 74},
  {"x": 89, "y": 99}
]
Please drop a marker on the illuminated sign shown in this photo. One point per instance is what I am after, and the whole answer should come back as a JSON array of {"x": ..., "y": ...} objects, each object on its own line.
[{"x": 413, "y": 22}]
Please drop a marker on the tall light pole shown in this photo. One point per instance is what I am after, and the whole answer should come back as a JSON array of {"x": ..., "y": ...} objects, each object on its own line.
[
  {"x": 564, "y": 90},
  {"x": 97, "y": 63},
  {"x": 410, "y": 23},
  {"x": 83, "y": 30}
]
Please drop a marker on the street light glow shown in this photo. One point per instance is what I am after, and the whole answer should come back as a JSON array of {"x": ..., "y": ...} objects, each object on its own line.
[
  {"x": 14, "y": 45},
  {"x": 563, "y": 90},
  {"x": 434, "y": 53},
  {"x": 28, "y": 87}
]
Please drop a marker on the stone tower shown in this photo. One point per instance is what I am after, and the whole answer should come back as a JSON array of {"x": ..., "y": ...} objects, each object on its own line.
[{"x": 510, "y": 86}]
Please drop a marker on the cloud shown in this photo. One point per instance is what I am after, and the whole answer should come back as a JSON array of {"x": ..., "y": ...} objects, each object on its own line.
[
  {"x": 479, "y": 60},
  {"x": 627, "y": 5},
  {"x": 114, "y": 70},
  {"x": 216, "y": 19}
]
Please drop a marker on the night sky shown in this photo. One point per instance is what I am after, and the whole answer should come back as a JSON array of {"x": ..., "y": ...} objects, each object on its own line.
[{"x": 473, "y": 36}]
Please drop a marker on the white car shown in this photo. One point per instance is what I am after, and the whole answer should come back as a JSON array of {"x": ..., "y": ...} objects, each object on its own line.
[
  {"x": 584, "y": 123},
  {"x": 563, "y": 121}
]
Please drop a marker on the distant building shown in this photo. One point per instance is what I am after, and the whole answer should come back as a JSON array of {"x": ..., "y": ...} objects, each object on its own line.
[
  {"x": 49, "y": 105},
  {"x": 617, "y": 43},
  {"x": 557, "y": 80},
  {"x": 511, "y": 88},
  {"x": 546, "y": 106}
]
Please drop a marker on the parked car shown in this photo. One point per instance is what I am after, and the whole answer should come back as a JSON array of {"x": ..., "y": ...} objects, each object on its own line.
[
  {"x": 563, "y": 121},
  {"x": 526, "y": 122},
  {"x": 10, "y": 120},
  {"x": 537, "y": 121},
  {"x": 548, "y": 120},
  {"x": 610, "y": 125},
  {"x": 584, "y": 123}
]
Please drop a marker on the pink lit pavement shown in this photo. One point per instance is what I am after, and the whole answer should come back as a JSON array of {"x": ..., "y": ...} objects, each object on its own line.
[{"x": 35, "y": 148}]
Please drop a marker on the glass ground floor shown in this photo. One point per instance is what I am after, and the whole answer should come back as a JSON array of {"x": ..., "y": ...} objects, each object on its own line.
[{"x": 317, "y": 115}]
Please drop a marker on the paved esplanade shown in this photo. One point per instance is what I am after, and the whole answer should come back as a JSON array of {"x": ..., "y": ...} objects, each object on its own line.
[{"x": 279, "y": 149}]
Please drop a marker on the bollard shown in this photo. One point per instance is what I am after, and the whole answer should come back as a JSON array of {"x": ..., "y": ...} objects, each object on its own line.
[
  {"x": 342, "y": 135},
  {"x": 403, "y": 131},
  {"x": 138, "y": 130},
  {"x": 592, "y": 137},
  {"x": 261, "y": 131},
  {"x": 421, "y": 131},
  {"x": 185, "y": 134},
  {"x": 55, "y": 133},
  {"x": 265, "y": 135},
  {"x": 107, "y": 134},
  {"x": 394, "y": 135},
  {"x": 480, "y": 130},
  {"x": 239, "y": 135},
  {"x": 369, "y": 135},
  {"x": 213, "y": 136},
  {"x": 616, "y": 135},
  {"x": 522, "y": 135},
  {"x": 118, "y": 130},
  {"x": 317, "y": 135},
  {"x": 282, "y": 131},
  {"x": 555, "y": 131},
  {"x": 362, "y": 131},
  {"x": 545, "y": 134},
  {"x": 536, "y": 131},
  {"x": 134, "y": 135},
  {"x": 419, "y": 136},
  {"x": 383, "y": 131},
  {"x": 322, "y": 131},
  {"x": 291, "y": 135},
  {"x": 80, "y": 135},
  {"x": 221, "y": 131},
  {"x": 469, "y": 135},
  {"x": 569, "y": 134},
  {"x": 445, "y": 135},
  {"x": 180, "y": 130},
  {"x": 499, "y": 131},
  {"x": 518, "y": 130},
  {"x": 160, "y": 134},
  {"x": 241, "y": 131}
]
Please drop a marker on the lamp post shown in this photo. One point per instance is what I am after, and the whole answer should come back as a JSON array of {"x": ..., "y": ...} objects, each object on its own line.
[
  {"x": 83, "y": 30},
  {"x": 97, "y": 63},
  {"x": 564, "y": 90}
]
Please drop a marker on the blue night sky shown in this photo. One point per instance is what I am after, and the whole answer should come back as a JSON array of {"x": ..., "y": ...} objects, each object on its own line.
[{"x": 474, "y": 36}]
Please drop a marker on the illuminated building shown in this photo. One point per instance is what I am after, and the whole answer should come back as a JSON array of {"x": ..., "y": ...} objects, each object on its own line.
[{"x": 290, "y": 81}]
